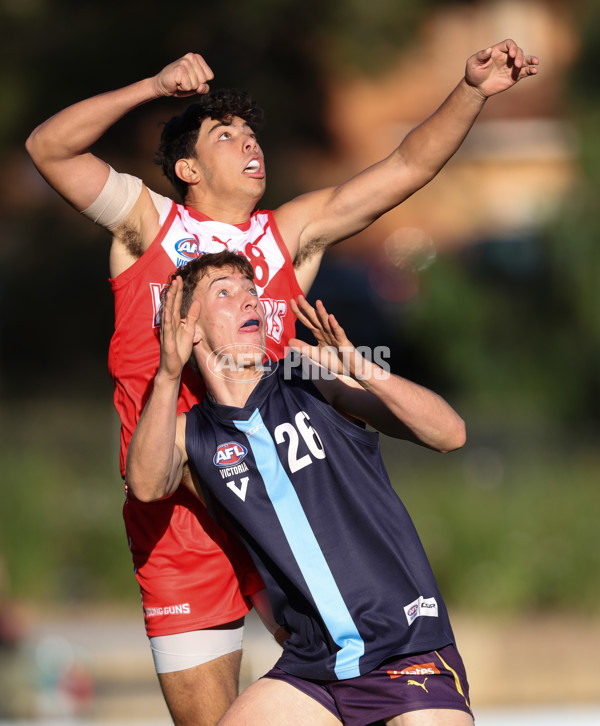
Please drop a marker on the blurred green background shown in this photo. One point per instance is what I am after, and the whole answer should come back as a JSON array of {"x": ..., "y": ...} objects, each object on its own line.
[{"x": 505, "y": 324}]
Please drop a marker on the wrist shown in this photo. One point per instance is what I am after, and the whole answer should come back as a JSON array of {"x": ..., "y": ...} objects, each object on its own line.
[
  {"x": 369, "y": 374},
  {"x": 473, "y": 91},
  {"x": 155, "y": 89},
  {"x": 166, "y": 380}
]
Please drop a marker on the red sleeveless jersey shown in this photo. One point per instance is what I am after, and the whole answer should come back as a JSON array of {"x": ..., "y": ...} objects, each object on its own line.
[
  {"x": 184, "y": 235},
  {"x": 188, "y": 569}
]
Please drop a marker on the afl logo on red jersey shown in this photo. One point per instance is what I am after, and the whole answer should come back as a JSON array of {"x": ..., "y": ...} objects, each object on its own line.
[
  {"x": 229, "y": 454},
  {"x": 187, "y": 248}
]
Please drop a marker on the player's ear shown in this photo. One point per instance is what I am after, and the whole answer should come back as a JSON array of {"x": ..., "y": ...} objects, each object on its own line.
[
  {"x": 187, "y": 170},
  {"x": 198, "y": 335}
]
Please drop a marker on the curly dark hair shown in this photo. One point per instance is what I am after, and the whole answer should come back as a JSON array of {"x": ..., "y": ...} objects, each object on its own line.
[{"x": 180, "y": 134}]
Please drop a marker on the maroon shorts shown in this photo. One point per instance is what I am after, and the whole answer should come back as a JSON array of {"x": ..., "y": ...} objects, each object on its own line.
[{"x": 435, "y": 679}]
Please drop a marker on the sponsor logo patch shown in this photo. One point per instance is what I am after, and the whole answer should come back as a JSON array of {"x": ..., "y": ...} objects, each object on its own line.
[
  {"x": 187, "y": 248},
  {"x": 421, "y": 607},
  {"x": 418, "y": 669},
  {"x": 412, "y": 682},
  {"x": 229, "y": 454},
  {"x": 181, "y": 609}
]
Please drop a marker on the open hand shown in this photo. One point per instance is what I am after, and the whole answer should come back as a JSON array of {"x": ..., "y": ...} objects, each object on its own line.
[
  {"x": 333, "y": 350},
  {"x": 177, "y": 335}
]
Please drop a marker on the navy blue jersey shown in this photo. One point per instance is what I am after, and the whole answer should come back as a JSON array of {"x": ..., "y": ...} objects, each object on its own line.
[{"x": 308, "y": 493}]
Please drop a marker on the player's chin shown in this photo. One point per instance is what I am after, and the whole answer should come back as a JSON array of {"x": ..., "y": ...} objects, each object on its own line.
[{"x": 251, "y": 342}]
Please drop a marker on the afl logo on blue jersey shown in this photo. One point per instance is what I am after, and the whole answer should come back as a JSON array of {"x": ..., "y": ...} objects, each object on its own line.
[
  {"x": 187, "y": 248},
  {"x": 229, "y": 454}
]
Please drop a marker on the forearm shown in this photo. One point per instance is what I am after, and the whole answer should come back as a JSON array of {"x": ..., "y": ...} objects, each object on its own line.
[
  {"x": 59, "y": 146},
  {"x": 71, "y": 131},
  {"x": 408, "y": 408},
  {"x": 427, "y": 148},
  {"x": 154, "y": 462},
  {"x": 367, "y": 391},
  {"x": 331, "y": 215}
]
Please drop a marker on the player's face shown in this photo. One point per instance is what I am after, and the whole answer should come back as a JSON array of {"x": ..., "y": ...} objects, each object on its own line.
[
  {"x": 232, "y": 319},
  {"x": 230, "y": 158}
]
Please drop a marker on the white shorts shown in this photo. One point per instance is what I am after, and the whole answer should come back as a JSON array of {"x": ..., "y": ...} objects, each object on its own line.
[{"x": 180, "y": 651}]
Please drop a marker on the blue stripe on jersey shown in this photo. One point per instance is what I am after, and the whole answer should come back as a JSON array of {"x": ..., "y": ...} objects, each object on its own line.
[{"x": 305, "y": 547}]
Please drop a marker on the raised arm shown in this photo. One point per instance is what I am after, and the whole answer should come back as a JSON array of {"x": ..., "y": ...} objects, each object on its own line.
[
  {"x": 59, "y": 146},
  {"x": 156, "y": 454},
  {"x": 319, "y": 219},
  {"x": 366, "y": 391}
]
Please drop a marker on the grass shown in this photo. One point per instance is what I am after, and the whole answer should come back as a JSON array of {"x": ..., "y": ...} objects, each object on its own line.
[
  {"x": 509, "y": 522},
  {"x": 62, "y": 537},
  {"x": 507, "y": 530}
]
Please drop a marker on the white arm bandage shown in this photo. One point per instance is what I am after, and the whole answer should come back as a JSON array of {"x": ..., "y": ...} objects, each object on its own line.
[{"x": 117, "y": 199}]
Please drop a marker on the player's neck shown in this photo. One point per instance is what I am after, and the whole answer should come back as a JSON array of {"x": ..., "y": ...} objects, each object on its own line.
[
  {"x": 229, "y": 210},
  {"x": 233, "y": 390}
]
